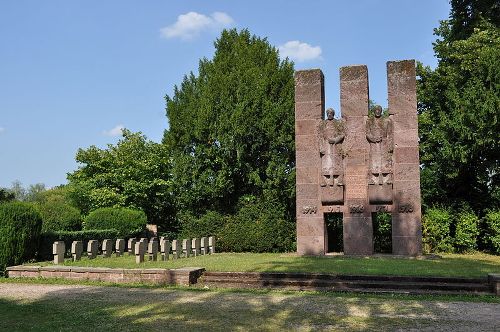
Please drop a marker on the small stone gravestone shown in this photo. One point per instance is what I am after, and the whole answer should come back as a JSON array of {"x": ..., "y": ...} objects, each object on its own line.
[
  {"x": 76, "y": 250},
  {"x": 119, "y": 247},
  {"x": 131, "y": 246},
  {"x": 58, "y": 249},
  {"x": 211, "y": 244},
  {"x": 153, "y": 250},
  {"x": 176, "y": 249},
  {"x": 107, "y": 248},
  {"x": 165, "y": 249},
  {"x": 186, "y": 247},
  {"x": 195, "y": 244},
  {"x": 92, "y": 249},
  {"x": 139, "y": 252},
  {"x": 204, "y": 245}
]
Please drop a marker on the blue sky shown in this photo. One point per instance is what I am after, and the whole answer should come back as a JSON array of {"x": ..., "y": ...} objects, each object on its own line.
[{"x": 72, "y": 73}]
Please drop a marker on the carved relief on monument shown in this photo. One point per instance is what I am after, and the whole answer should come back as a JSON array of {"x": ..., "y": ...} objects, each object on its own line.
[
  {"x": 331, "y": 135},
  {"x": 379, "y": 133}
]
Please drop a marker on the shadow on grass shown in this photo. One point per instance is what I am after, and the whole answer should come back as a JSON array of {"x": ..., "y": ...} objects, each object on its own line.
[
  {"x": 449, "y": 266},
  {"x": 129, "y": 309}
]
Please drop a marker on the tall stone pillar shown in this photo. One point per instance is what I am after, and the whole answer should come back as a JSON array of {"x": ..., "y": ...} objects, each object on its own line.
[
  {"x": 309, "y": 109},
  {"x": 406, "y": 210},
  {"x": 358, "y": 229}
]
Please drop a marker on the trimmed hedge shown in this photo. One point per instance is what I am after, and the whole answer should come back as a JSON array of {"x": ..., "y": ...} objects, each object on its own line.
[
  {"x": 436, "y": 230},
  {"x": 254, "y": 228},
  {"x": 466, "y": 231},
  {"x": 492, "y": 223},
  {"x": 126, "y": 221},
  {"x": 20, "y": 227},
  {"x": 48, "y": 238},
  {"x": 59, "y": 216}
]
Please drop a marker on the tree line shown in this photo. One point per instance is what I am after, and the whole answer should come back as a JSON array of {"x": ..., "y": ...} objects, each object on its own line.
[{"x": 226, "y": 164}]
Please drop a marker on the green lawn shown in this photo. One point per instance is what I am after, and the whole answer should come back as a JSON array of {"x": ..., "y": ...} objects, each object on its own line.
[
  {"x": 473, "y": 265},
  {"x": 86, "y": 308}
]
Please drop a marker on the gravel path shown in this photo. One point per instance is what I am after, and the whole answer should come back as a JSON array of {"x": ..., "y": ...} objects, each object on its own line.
[{"x": 275, "y": 311}]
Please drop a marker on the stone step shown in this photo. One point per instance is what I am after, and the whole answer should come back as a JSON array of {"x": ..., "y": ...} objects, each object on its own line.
[
  {"x": 318, "y": 276},
  {"x": 245, "y": 280}
]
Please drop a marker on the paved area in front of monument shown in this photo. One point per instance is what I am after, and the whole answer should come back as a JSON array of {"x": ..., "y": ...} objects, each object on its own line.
[{"x": 73, "y": 307}]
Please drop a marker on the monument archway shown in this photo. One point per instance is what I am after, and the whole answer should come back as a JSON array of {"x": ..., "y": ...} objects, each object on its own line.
[{"x": 357, "y": 165}]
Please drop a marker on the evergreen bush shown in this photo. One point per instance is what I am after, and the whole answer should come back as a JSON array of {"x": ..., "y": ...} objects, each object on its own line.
[
  {"x": 466, "y": 230},
  {"x": 126, "y": 221},
  {"x": 209, "y": 224},
  {"x": 257, "y": 228},
  {"x": 492, "y": 231},
  {"x": 436, "y": 230},
  {"x": 59, "y": 216},
  {"x": 20, "y": 227}
]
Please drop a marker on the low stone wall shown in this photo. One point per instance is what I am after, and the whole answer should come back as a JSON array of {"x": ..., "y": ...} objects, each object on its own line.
[
  {"x": 184, "y": 276},
  {"x": 494, "y": 280}
]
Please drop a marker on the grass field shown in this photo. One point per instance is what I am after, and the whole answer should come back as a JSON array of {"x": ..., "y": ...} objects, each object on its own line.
[{"x": 473, "y": 265}]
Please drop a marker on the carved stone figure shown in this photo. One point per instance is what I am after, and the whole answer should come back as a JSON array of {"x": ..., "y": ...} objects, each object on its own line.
[
  {"x": 379, "y": 133},
  {"x": 331, "y": 135}
]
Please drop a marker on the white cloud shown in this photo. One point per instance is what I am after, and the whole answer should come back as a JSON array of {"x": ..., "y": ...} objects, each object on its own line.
[
  {"x": 2, "y": 129},
  {"x": 189, "y": 26},
  {"x": 299, "y": 52},
  {"x": 116, "y": 131}
]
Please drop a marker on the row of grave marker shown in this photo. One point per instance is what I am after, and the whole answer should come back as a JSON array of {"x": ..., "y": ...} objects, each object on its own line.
[{"x": 188, "y": 247}]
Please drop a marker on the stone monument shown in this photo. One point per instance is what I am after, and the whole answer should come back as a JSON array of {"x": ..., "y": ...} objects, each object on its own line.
[{"x": 359, "y": 164}]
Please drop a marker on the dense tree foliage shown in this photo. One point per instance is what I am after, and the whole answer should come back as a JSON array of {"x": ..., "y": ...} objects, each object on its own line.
[
  {"x": 231, "y": 132},
  {"x": 459, "y": 106},
  {"x": 133, "y": 173}
]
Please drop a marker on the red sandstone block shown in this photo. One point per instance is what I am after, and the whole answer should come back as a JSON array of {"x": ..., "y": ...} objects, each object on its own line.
[
  {"x": 307, "y": 191},
  {"x": 308, "y": 77},
  {"x": 309, "y": 110},
  {"x": 405, "y": 121},
  {"x": 404, "y": 190},
  {"x": 354, "y": 73},
  {"x": 406, "y": 224},
  {"x": 407, "y": 245},
  {"x": 307, "y": 207},
  {"x": 406, "y": 171},
  {"x": 311, "y": 226},
  {"x": 306, "y": 143},
  {"x": 356, "y": 106},
  {"x": 311, "y": 245},
  {"x": 405, "y": 155},
  {"x": 406, "y": 138},
  {"x": 309, "y": 93},
  {"x": 306, "y": 127},
  {"x": 307, "y": 175},
  {"x": 309, "y": 158}
]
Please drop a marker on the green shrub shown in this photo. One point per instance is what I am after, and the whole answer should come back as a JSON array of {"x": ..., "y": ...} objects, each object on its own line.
[
  {"x": 20, "y": 226},
  {"x": 256, "y": 228},
  {"x": 126, "y": 221},
  {"x": 252, "y": 229},
  {"x": 436, "y": 230},
  {"x": 466, "y": 231},
  {"x": 382, "y": 232},
  {"x": 59, "y": 216},
  {"x": 492, "y": 232},
  {"x": 209, "y": 224},
  {"x": 48, "y": 238}
]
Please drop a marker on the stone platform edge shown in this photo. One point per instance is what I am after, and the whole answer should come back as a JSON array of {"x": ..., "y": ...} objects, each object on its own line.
[{"x": 183, "y": 276}]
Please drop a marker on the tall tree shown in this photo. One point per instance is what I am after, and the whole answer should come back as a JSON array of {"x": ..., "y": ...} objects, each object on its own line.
[
  {"x": 459, "y": 107},
  {"x": 232, "y": 129},
  {"x": 133, "y": 173}
]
